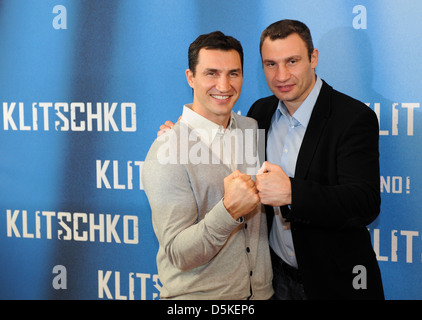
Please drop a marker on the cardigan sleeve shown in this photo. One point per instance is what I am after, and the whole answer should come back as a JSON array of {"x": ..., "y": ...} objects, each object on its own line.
[{"x": 187, "y": 242}]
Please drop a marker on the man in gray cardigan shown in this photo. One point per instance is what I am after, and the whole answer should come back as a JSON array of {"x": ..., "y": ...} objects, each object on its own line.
[{"x": 211, "y": 228}]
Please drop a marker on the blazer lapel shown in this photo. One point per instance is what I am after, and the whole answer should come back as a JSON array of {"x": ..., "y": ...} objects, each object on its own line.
[
  {"x": 264, "y": 113},
  {"x": 265, "y": 121},
  {"x": 315, "y": 127}
]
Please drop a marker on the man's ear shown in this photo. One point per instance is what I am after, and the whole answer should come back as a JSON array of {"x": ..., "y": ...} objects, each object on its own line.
[
  {"x": 314, "y": 58},
  {"x": 189, "y": 77}
]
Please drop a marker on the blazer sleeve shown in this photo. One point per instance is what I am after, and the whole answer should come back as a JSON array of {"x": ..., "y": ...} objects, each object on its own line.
[
  {"x": 187, "y": 242},
  {"x": 352, "y": 196}
]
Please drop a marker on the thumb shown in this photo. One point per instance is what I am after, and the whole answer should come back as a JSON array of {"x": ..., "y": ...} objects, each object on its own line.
[
  {"x": 267, "y": 167},
  {"x": 262, "y": 169},
  {"x": 235, "y": 174},
  {"x": 271, "y": 167}
]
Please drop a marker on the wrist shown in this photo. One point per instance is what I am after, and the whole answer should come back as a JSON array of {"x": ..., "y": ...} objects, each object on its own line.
[{"x": 232, "y": 212}]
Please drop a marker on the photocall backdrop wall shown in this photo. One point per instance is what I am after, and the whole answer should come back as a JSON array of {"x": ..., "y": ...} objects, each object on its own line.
[{"x": 85, "y": 85}]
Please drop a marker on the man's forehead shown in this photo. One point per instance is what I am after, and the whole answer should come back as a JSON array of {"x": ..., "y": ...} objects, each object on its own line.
[
  {"x": 284, "y": 48},
  {"x": 218, "y": 56}
]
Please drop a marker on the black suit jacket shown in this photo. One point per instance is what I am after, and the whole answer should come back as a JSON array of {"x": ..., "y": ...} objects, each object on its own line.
[{"x": 335, "y": 195}]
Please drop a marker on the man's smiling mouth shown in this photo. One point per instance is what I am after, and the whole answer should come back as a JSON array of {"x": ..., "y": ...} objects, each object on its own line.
[{"x": 220, "y": 97}]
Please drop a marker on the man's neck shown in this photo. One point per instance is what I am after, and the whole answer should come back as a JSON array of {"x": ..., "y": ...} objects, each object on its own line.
[{"x": 221, "y": 120}]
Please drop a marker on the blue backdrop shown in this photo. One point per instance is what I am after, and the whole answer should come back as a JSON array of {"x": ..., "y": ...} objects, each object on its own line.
[{"x": 84, "y": 86}]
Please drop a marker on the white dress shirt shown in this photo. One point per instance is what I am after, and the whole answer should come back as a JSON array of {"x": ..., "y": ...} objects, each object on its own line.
[
  {"x": 284, "y": 140},
  {"x": 222, "y": 141}
]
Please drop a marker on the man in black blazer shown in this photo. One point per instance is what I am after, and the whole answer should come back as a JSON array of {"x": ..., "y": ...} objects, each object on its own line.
[{"x": 332, "y": 191}]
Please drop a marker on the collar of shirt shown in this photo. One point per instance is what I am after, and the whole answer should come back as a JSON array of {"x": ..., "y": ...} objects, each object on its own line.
[
  {"x": 303, "y": 113},
  {"x": 206, "y": 129}
]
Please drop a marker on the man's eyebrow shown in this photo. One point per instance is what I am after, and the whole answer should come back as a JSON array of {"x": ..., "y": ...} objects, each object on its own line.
[
  {"x": 267, "y": 60},
  {"x": 217, "y": 70},
  {"x": 295, "y": 57},
  {"x": 210, "y": 70},
  {"x": 239, "y": 70}
]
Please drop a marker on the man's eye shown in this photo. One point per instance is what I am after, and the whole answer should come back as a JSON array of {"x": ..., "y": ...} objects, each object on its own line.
[{"x": 294, "y": 61}]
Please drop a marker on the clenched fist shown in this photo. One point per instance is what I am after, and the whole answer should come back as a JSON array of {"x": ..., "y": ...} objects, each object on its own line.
[
  {"x": 273, "y": 185},
  {"x": 240, "y": 194}
]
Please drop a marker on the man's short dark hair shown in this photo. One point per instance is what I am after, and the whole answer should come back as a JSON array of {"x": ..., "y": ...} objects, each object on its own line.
[
  {"x": 284, "y": 28},
  {"x": 215, "y": 40}
]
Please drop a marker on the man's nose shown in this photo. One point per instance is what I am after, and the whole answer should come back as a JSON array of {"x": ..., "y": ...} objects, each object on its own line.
[
  {"x": 282, "y": 74},
  {"x": 223, "y": 84}
]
